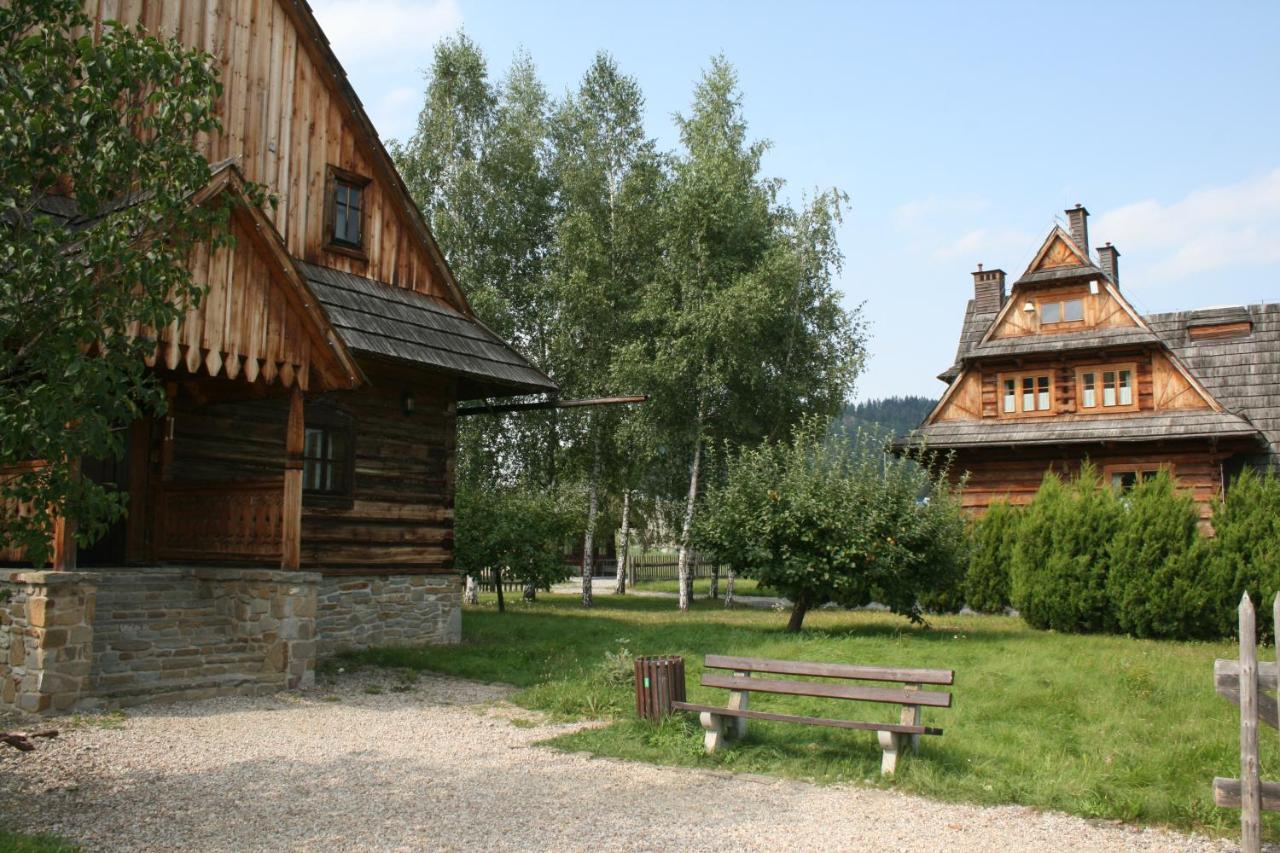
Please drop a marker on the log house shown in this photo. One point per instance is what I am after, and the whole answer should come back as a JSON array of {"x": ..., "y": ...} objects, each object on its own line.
[
  {"x": 313, "y": 392},
  {"x": 1062, "y": 368}
]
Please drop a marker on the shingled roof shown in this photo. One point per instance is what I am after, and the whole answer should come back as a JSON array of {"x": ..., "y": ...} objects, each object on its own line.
[
  {"x": 1136, "y": 427},
  {"x": 1242, "y": 373},
  {"x": 382, "y": 320},
  {"x": 1107, "y": 336}
]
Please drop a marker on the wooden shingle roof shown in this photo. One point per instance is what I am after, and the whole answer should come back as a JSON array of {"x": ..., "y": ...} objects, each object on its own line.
[
  {"x": 1136, "y": 427},
  {"x": 1243, "y": 373},
  {"x": 389, "y": 322},
  {"x": 1107, "y": 336}
]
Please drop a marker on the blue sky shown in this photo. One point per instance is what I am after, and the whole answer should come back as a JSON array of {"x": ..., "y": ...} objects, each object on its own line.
[{"x": 959, "y": 130}]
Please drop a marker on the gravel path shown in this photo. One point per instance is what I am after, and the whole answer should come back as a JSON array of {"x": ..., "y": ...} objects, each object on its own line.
[{"x": 370, "y": 763}]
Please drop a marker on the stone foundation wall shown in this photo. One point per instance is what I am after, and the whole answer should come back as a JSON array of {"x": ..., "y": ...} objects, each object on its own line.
[
  {"x": 356, "y": 612},
  {"x": 46, "y": 639},
  {"x": 114, "y": 638},
  {"x": 194, "y": 633}
]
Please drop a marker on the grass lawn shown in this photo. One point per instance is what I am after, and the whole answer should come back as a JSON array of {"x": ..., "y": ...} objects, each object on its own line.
[
  {"x": 702, "y": 586},
  {"x": 12, "y": 842},
  {"x": 1099, "y": 726}
]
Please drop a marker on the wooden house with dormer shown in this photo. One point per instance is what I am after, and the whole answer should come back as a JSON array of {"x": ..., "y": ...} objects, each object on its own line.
[
  {"x": 313, "y": 392},
  {"x": 1060, "y": 368}
]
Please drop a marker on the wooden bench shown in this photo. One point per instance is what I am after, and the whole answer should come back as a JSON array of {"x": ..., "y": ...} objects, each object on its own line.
[{"x": 720, "y": 723}]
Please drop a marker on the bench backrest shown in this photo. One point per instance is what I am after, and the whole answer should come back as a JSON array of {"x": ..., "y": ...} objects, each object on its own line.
[
  {"x": 831, "y": 670},
  {"x": 900, "y": 695}
]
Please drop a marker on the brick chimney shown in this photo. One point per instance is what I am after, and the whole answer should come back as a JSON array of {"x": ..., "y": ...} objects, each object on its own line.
[
  {"x": 1109, "y": 260},
  {"x": 988, "y": 290},
  {"x": 1078, "y": 221}
]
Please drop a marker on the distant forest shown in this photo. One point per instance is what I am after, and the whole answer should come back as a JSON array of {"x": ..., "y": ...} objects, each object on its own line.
[{"x": 900, "y": 415}]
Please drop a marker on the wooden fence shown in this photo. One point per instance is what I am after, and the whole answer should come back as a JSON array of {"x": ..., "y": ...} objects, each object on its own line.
[
  {"x": 666, "y": 567},
  {"x": 1246, "y": 683}
]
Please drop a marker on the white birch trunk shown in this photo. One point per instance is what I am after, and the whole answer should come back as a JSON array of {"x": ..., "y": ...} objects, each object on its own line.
[
  {"x": 686, "y": 534},
  {"x": 589, "y": 539},
  {"x": 728, "y": 589},
  {"x": 472, "y": 594},
  {"x": 621, "y": 587}
]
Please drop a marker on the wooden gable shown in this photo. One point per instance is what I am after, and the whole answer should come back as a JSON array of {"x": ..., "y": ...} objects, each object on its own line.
[
  {"x": 258, "y": 319},
  {"x": 289, "y": 118},
  {"x": 1104, "y": 309}
]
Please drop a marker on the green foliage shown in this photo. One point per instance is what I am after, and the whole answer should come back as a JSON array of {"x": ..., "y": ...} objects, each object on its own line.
[
  {"x": 112, "y": 123},
  {"x": 992, "y": 539},
  {"x": 1059, "y": 568},
  {"x": 1158, "y": 578},
  {"x": 823, "y": 519},
  {"x": 15, "y": 842},
  {"x": 518, "y": 532},
  {"x": 1245, "y": 555}
]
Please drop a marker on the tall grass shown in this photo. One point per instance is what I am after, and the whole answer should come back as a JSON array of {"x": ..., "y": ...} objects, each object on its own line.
[{"x": 1099, "y": 726}]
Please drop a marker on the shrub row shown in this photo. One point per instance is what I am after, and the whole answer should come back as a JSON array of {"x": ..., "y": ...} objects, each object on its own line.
[{"x": 1082, "y": 558}]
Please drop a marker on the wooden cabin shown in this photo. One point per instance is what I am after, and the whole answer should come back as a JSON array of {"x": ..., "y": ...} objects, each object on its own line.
[
  {"x": 1061, "y": 368},
  {"x": 313, "y": 392}
]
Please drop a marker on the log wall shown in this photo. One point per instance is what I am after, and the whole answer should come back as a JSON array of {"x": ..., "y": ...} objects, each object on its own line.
[
  {"x": 1014, "y": 476},
  {"x": 400, "y": 516}
]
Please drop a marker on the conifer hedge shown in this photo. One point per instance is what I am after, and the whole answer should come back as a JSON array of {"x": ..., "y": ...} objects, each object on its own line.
[{"x": 992, "y": 537}]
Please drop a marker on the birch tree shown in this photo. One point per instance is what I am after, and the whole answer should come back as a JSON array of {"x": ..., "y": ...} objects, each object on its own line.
[
  {"x": 746, "y": 332},
  {"x": 605, "y": 170}
]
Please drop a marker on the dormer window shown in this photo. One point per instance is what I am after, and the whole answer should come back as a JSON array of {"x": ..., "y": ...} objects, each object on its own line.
[{"x": 346, "y": 212}]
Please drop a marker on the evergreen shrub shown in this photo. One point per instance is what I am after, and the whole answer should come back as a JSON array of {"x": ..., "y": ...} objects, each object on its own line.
[
  {"x": 1159, "y": 578},
  {"x": 1059, "y": 567},
  {"x": 1244, "y": 556},
  {"x": 991, "y": 542}
]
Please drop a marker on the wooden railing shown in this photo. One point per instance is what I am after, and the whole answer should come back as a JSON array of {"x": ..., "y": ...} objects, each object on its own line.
[{"x": 241, "y": 521}]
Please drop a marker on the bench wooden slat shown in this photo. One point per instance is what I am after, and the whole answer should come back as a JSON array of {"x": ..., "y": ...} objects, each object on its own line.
[
  {"x": 830, "y": 670},
  {"x": 811, "y": 721},
  {"x": 932, "y": 698}
]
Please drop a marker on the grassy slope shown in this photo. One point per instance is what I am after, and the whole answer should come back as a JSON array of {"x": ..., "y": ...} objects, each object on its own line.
[
  {"x": 11, "y": 842},
  {"x": 1099, "y": 726}
]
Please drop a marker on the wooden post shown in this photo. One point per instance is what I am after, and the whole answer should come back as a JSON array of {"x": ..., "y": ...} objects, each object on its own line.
[
  {"x": 1250, "y": 789},
  {"x": 295, "y": 434},
  {"x": 64, "y": 535},
  {"x": 911, "y": 716},
  {"x": 738, "y": 700}
]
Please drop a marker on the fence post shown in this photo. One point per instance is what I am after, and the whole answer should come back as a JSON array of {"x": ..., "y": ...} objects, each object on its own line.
[{"x": 1250, "y": 789}]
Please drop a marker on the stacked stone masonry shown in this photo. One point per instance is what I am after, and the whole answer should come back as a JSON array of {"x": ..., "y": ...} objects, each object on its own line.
[
  {"x": 114, "y": 638},
  {"x": 357, "y": 612}
]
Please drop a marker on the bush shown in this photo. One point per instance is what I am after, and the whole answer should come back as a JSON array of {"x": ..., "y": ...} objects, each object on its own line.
[
  {"x": 1059, "y": 568},
  {"x": 1159, "y": 579},
  {"x": 991, "y": 542},
  {"x": 1245, "y": 555},
  {"x": 820, "y": 518}
]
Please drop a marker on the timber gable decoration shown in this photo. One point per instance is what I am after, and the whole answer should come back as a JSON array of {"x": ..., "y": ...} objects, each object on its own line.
[{"x": 1062, "y": 368}]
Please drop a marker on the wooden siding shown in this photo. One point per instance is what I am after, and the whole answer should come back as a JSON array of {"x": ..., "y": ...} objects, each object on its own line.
[
  {"x": 285, "y": 121},
  {"x": 1013, "y": 476},
  {"x": 400, "y": 517}
]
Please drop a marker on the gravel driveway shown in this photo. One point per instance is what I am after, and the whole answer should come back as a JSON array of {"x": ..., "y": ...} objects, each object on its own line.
[{"x": 440, "y": 765}]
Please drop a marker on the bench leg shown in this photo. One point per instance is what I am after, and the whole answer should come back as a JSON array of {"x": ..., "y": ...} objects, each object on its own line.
[
  {"x": 715, "y": 735},
  {"x": 738, "y": 702},
  {"x": 892, "y": 744},
  {"x": 912, "y": 716}
]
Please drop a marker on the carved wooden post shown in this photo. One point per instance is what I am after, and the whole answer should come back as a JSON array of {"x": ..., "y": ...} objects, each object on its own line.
[
  {"x": 291, "y": 521},
  {"x": 1250, "y": 788}
]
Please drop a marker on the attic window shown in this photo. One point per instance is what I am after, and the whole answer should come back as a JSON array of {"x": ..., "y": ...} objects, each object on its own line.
[
  {"x": 1054, "y": 311},
  {"x": 1025, "y": 394},
  {"x": 346, "y": 212},
  {"x": 1108, "y": 387}
]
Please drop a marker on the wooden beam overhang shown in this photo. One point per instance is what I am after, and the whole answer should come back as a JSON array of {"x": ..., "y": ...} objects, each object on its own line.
[{"x": 543, "y": 405}]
